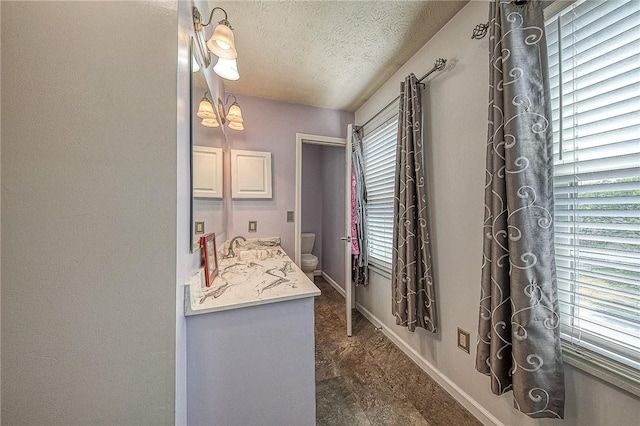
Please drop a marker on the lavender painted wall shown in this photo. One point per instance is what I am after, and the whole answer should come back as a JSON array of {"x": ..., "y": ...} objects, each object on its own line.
[
  {"x": 252, "y": 366},
  {"x": 272, "y": 126},
  {"x": 312, "y": 195},
  {"x": 333, "y": 226}
]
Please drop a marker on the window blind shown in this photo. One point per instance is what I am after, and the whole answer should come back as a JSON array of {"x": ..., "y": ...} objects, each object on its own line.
[
  {"x": 594, "y": 70},
  {"x": 379, "y": 150}
]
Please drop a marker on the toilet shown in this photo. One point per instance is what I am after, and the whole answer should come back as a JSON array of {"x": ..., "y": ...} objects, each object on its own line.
[{"x": 309, "y": 262}]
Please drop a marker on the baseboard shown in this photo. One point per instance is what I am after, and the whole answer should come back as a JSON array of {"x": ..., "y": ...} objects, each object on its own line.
[
  {"x": 317, "y": 273},
  {"x": 458, "y": 394},
  {"x": 334, "y": 284}
]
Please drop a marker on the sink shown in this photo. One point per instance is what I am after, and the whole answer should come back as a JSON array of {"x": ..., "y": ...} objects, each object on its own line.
[{"x": 257, "y": 254}]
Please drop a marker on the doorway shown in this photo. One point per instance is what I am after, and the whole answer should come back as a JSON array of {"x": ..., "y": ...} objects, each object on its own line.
[{"x": 340, "y": 239}]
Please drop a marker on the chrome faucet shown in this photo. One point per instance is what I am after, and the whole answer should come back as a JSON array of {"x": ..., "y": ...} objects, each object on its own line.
[{"x": 230, "y": 252}]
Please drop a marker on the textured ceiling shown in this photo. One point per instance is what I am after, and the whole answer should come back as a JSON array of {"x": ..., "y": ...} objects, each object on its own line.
[{"x": 331, "y": 54}]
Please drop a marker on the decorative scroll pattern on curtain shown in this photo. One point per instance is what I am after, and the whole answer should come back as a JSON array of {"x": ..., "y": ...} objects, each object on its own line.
[
  {"x": 519, "y": 334},
  {"x": 414, "y": 300},
  {"x": 360, "y": 267}
]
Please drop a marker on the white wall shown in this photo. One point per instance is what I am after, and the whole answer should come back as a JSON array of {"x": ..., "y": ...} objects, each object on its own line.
[
  {"x": 88, "y": 212},
  {"x": 456, "y": 123}
]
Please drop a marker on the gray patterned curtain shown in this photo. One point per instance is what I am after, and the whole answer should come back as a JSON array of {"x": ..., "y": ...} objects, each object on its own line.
[
  {"x": 360, "y": 266},
  {"x": 414, "y": 300},
  {"x": 519, "y": 335}
]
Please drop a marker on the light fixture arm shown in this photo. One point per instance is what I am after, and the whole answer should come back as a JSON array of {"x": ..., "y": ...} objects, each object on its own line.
[
  {"x": 222, "y": 105},
  {"x": 225, "y": 21},
  {"x": 235, "y": 100}
]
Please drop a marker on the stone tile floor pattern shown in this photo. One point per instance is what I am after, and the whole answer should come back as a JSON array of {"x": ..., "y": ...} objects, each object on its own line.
[{"x": 366, "y": 380}]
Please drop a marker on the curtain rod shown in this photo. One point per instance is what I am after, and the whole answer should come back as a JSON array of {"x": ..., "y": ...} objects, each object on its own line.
[{"x": 438, "y": 66}]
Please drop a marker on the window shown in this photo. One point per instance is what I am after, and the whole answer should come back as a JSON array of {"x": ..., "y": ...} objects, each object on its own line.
[
  {"x": 379, "y": 150},
  {"x": 594, "y": 70}
]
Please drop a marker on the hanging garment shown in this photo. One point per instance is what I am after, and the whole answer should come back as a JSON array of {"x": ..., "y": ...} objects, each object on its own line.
[{"x": 360, "y": 270}]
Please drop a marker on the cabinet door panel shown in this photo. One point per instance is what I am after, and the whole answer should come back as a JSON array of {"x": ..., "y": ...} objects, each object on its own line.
[
  {"x": 207, "y": 172},
  {"x": 250, "y": 174}
]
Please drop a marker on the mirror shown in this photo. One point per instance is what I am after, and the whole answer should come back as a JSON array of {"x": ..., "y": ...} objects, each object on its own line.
[{"x": 207, "y": 142}]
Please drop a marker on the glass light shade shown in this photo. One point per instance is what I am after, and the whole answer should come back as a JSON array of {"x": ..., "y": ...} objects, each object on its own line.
[
  {"x": 222, "y": 43},
  {"x": 210, "y": 122},
  {"x": 227, "y": 69},
  {"x": 235, "y": 126},
  {"x": 235, "y": 114},
  {"x": 205, "y": 110}
]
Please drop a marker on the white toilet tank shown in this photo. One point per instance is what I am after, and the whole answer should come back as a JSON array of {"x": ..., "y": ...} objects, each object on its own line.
[{"x": 307, "y": 241}]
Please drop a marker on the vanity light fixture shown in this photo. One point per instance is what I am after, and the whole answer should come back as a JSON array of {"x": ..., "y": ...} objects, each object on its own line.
[
  {"x": 227, "y": 69},
  {"x": 222, "y": 42},
  {"x": 210, "y": 122},
  {"x": 233, "y": 116},
  {"x": 235, "y": 126},
  {"x": 205, "y": 109}
]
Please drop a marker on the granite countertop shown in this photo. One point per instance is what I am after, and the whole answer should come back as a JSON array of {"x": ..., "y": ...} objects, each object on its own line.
[{"x": 260, "y": 272}]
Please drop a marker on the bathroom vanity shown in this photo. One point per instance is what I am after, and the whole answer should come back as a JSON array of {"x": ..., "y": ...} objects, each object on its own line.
[{"x": 250, "y": 341}]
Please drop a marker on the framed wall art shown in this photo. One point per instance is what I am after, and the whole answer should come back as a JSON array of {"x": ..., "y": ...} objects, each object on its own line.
[{"x": 210, "y": 256}]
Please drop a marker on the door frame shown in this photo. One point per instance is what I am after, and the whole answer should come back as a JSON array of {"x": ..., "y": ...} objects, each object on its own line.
[{"x": 340, "y": 143}]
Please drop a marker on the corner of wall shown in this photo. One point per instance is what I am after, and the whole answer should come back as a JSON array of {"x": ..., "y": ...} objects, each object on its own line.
[{"x": 183, "y": 256}]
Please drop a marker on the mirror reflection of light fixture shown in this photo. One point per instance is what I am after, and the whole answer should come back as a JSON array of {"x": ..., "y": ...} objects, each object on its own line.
[
  {"x": 210, "y": 122},
  {"x": 222, "y": 42},
  {"x": 235, "y": 126},
  {"x": 205, "y": 109},
  {"x": 233, "y": 116}
]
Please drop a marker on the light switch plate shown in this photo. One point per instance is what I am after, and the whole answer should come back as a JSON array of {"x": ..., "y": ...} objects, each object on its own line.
[
  {"x": 199, "y": 228},
  {"x": 253, "y": 226},
  {"x": 289, "y": 216},
  {"x": 463, "y": 340}
]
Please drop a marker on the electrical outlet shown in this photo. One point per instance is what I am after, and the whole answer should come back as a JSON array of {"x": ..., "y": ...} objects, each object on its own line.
[
  {"x": 463, "y": 340},
  {"x": 289, "y": 216},
  {"x": 253, "y": 226}
]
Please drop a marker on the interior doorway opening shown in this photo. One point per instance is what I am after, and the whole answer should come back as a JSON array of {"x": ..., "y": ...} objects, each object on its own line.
[{"x": 341, "y": 239}]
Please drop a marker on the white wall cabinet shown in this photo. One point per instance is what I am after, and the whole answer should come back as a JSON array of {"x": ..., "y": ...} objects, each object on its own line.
[
  {"x": 207, "y": 172},
  {"x": 250, "y": 174}
]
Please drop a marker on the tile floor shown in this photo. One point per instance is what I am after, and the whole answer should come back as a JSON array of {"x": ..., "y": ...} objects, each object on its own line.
[{"x": 367, "y": 380}]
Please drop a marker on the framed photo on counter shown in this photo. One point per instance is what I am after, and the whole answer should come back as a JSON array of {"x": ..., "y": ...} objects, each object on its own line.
[{"x": 210, "y": 255}]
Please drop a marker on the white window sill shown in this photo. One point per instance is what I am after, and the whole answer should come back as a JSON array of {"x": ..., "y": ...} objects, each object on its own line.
[
  {"x": 625, "y": 378},
  {"x": 380, "y": 270}
]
